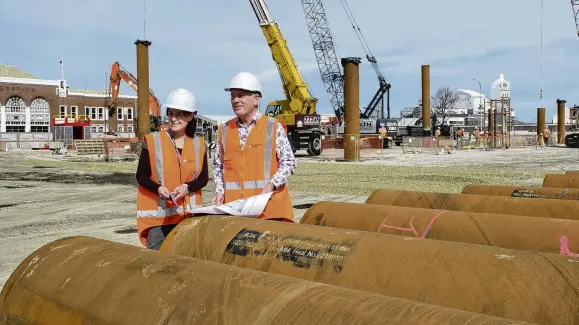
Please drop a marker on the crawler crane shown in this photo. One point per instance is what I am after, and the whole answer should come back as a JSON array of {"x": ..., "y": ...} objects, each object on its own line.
[{"x": 298, "y": 111}]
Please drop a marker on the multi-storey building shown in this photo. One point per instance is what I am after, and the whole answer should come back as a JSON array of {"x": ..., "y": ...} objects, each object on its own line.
[{"x": 29, "y": 104}]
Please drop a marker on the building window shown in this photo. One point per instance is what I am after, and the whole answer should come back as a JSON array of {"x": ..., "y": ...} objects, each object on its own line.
[
  {"x": 101, "y": 128},
  {"x": 130, "y": 128},
  {"x": 93, "y": 113},
  {"x": 120, "y": 113},
  {"x": 93, "y": 129},
  {"x": 62, "y": 110},
  {"x": 74, "y": 111},
  {"x": 129, "y": 114},
  {"x": 101, "y": 111},
  {"x": 87, "y": 111},
  {"x": 15, "y": 114},
  {"x": 120, "y": 128},
  {"x": 39, "y": 115}
]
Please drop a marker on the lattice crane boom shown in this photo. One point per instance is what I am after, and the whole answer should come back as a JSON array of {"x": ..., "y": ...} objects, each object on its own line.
[
  {"x": 575, "y": 7},
  {"x": 325, "y": 52}
]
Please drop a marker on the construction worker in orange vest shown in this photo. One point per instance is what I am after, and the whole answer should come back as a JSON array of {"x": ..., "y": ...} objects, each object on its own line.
[
  {"x": 172, "y": 171},
  {"x": 253, "y": 154}
]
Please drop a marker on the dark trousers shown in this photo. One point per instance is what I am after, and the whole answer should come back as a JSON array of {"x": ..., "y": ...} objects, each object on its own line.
[{"x": 157, "y": 235}]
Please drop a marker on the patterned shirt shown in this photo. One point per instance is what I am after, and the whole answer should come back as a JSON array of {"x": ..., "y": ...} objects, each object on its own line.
[{"x": 286, "y": 160}]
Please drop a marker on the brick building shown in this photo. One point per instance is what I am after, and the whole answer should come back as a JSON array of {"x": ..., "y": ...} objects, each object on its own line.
[{"x": 30, "y": 105}]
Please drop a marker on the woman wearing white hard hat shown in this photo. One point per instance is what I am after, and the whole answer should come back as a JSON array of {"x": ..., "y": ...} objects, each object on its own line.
[{"x": 172, "y": 171}]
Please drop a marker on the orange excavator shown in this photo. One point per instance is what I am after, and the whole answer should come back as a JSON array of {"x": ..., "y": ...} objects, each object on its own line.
[{"x": 119, "y": 73}]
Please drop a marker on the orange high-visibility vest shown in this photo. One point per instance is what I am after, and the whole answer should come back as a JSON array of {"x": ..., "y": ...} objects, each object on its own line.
[
  {"x": 168, "y": 171},
  {"x": 247, "y": 170}
]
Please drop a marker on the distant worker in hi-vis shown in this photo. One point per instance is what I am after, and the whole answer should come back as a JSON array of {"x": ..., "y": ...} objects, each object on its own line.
[
  {"x": 172, "y": 171},
  {"x": 253, "y": 154}
]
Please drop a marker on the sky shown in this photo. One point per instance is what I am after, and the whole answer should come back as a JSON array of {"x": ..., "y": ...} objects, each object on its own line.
[{"x": 201, "y": 45}]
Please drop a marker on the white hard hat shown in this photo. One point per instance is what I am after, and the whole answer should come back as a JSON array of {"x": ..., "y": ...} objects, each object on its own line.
[
  {"x": 181, "y": 99},
  {"x": 246, "y": 81}
]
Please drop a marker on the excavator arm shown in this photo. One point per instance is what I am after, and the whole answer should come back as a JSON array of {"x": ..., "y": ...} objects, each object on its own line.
[
  {"x": 299, "y": 99},
  {"x": 118, "y": 73}
]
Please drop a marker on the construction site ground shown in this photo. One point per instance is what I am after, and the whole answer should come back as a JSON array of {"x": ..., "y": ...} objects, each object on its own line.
[{"x": 46, "y": 197}]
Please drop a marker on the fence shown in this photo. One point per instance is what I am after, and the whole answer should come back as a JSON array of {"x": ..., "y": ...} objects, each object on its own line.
[
  {"x": 449, "y": 144},
  {"x": 25, "y": 140}
]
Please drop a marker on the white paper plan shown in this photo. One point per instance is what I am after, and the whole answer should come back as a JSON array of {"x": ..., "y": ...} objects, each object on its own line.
[{"x": 252, "y": 206}]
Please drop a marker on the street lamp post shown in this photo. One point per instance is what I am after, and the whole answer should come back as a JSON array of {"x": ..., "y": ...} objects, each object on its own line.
[{"x": 479, "y": 103}]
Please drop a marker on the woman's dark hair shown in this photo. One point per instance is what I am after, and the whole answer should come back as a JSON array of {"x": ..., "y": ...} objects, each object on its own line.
[{"x": 191, "y": 126}]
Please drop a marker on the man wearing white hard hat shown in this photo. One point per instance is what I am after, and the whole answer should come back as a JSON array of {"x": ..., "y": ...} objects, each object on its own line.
[
  {"x": 253, "y": 154},
  {"x": 172, "y": 171}
]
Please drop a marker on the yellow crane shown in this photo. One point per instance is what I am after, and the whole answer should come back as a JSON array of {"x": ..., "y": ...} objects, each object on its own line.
[{"x": 298, "y": 111}]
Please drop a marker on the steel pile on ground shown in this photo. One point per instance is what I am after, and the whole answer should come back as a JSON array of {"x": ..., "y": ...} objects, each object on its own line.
[
  {"x": 543, "y": 208},
  {"x": 499, "y": 230},
  {"x": 561, "y": 180},
  {"x": 83, "y": 280},
  {"x": 523, "y": 191},
  {"x": 523, "y": 285}
]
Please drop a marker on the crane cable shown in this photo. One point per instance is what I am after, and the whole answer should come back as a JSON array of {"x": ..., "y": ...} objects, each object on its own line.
[
  {"x": 356, "y": 28},
  {"x": 541, "y": 93}
]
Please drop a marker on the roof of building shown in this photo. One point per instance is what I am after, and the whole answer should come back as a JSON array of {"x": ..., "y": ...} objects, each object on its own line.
[
  {"x": 471, "y": 92},
  {"x": 13, "y": 72},
  {"x": 10, "y": 73}
]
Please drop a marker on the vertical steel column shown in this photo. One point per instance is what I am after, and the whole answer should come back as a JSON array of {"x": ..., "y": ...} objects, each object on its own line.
[
  {"x": 143, "y": 116},
  {"x": 351, "y": 108},
  {"x": 427, "y": 129},
  {"x": 561, "y": 121},
  {"x": 540, "y": 120}
]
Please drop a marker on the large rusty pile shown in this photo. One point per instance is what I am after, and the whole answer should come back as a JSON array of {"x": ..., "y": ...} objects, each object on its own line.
[{"x": 490, "y": 255}]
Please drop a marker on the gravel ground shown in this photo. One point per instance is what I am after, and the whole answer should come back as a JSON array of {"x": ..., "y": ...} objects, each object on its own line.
[{"x": 46, "y": 197}]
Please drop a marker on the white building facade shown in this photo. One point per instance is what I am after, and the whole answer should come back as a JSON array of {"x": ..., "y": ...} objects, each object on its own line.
[{"x": 501, "y": 95}]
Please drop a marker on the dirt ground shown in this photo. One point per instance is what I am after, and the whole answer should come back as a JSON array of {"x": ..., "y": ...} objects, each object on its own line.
[{"x": 45, "y": 197}]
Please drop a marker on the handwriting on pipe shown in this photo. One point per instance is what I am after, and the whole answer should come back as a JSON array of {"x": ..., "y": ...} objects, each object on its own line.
[
  {"x": 564, "y": 248},
  {"x": 301, "y": 252},
  {"x": 411, "y": 227},
  {"x": 527, "y": 194}
]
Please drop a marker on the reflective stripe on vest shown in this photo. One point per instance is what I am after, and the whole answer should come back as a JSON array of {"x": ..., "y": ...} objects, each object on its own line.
[
  {"x": 162, "y": 210},
  {"x": 268, "y": 151}
]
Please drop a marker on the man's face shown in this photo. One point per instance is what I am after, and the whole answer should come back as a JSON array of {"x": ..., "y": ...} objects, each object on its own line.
[{"x": 243, "y": 102}]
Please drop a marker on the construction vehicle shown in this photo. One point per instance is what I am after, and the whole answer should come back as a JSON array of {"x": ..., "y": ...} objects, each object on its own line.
[
  {"x": 118, "y": 73},
  {"x": 298, "y": 111},
  {"x": 372, "y": 118}
]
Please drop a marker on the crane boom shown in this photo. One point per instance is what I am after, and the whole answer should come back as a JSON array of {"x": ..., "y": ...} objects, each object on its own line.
[
  {"x": 298, "y": 111},
  {"x": 325, "y": 52},
  {"x": 575, "y": 7},
  {"x": 299, "y": 99}
]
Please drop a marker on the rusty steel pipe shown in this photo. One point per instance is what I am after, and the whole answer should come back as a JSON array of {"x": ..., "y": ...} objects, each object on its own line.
[
  {"x": 570, "y": 180},
  {"x": 542, "y": 208},
  {"x": 143, "y": 115},
  {"x": 351, "y": 108},
  {"x": 561, "y": 121},
  {"x": 425, "y": 74},
  {"x": 523, "y": 191},
  {"x": 83, "y": 280},
  {"x": 499, "y": 230},
  {"x": 541, "y": 111},
  {"x": 523, "y": 285}
]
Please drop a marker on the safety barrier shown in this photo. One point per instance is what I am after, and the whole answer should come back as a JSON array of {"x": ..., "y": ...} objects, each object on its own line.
[
  {"x": 121, "y": 150},
  {"x": 369, "y": 145},
  {"x": 25, "y": 140}
]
